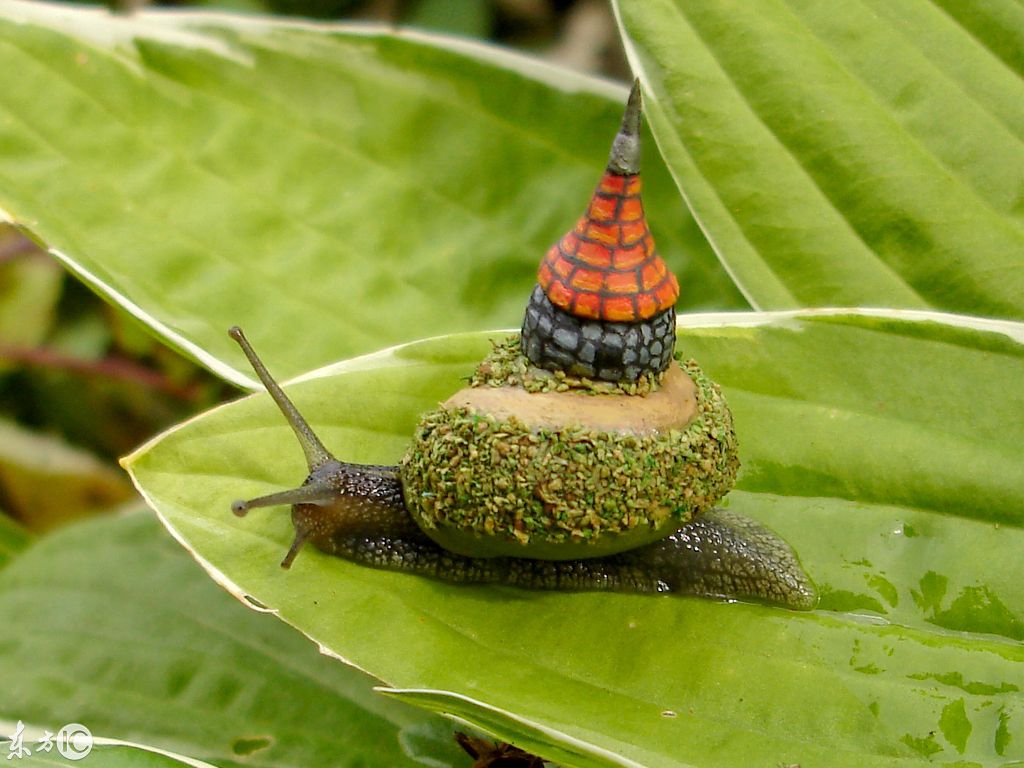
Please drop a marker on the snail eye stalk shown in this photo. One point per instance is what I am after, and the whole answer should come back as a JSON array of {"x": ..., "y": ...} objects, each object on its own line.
[
  {"x": 313, "y": 493},
  {"x": 316, "y": 454},
  {"x": 319, "y": 493}
]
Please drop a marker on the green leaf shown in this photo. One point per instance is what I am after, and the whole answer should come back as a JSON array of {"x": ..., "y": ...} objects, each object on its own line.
[
  {"x": 885, "y": 447},
  {"x": 30, "y": 284},
  {"x": 110, "y": 754},
  {"x": 331, "y": 189},
  {"x": 44, "y": 480},
  {"x": 113, "y": 626},
  {"x": 13, "y": 538},
  {"x": 868, "y": 154},
  {"x": 463, "y": 17}
]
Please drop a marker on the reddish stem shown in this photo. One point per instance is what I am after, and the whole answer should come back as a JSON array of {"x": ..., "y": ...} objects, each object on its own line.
[{"x": 118, "y": 368}]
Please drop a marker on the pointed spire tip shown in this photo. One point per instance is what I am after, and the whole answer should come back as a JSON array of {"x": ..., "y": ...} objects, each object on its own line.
[
  {"x": 631, "y": 118},
  {"x": 624, "y": 158}
]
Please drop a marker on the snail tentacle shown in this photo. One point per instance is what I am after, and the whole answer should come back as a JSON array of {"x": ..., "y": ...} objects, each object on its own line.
[
  {"x": 336, "y": 495},
  {"x": 319, "y": 493},
  {"x": 301, "y": 535},
  {"x": 316, "y": 453}
]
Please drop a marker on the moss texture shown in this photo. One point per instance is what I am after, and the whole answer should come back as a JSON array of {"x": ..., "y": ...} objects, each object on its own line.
[
  {"x": 482, "y": 486},
  {"x": 507, "y": 366}
]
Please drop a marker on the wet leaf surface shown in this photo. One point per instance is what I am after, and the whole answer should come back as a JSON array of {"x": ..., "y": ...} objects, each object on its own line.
[{"x": 884, "y": 450}]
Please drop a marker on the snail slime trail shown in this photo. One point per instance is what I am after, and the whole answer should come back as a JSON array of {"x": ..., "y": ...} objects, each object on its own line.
[{"x": 586, "y": 453}]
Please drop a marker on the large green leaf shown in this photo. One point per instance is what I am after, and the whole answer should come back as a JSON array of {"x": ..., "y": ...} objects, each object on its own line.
[
  {"x": 107, "y": 752},
  {"x": 13, "y": 538},
  {"x": 333, "y": 189},
  {"x": 109, "y": 624},
  {"x": 866, "y": 153},
  {"x": 45, "y": 481},
  {"x": 885, "y": 447},
  {"x": 30, "y": 285}
]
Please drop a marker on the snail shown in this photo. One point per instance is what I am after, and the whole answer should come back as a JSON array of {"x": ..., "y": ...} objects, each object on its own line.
[
  {"x": 582, "y": 455},
  {"x": 496, "y": 754}
]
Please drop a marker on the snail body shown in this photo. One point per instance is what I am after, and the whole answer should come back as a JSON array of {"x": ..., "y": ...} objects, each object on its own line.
[{"x": 581, "y": 456}]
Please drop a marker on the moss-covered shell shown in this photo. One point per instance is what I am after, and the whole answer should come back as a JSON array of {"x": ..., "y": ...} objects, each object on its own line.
[{"x": 482, "y": 485}]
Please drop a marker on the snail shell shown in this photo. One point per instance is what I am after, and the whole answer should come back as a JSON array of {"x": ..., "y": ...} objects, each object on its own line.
[
  {"x": 581, "y": 456},
  {"x": 501, "y": 471}
]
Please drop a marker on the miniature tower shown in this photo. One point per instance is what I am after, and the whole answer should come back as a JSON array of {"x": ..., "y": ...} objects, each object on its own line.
[{"x": 603, "y": 306}]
